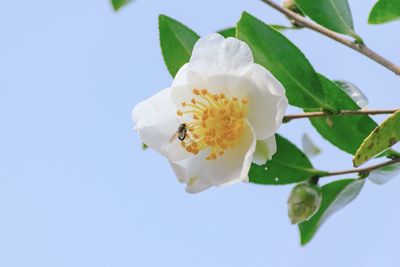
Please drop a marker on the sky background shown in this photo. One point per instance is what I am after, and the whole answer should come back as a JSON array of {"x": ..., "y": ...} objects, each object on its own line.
[{"x": 76, "y": 189}]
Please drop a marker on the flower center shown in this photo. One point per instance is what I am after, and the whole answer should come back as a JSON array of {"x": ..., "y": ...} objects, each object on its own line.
[{"x": 217, "y": 122}]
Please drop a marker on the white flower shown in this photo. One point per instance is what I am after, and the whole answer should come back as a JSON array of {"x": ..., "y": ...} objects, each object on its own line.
[{"x": 226, "y": 103}]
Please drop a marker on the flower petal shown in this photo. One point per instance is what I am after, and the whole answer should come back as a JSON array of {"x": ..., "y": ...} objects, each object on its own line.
[
  {"x": 156, "y": 122},
  {"x": 214, "y": 54},
  {"x": 265, "y": 149},
  {"x": 196, "y": 185},
  {"x": 181, "y": 77},
  {"x": 180, "y": 172},
  {"x": 230, "y": 168},
  {"x": 227, "y": 66},
  {"x": 267, "y": 100}
]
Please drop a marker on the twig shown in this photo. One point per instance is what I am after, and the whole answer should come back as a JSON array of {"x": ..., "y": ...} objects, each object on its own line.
[
  {"x": 361, "y": 48},
  {"x": 365, "y": 170},
  {"x": 290, "y": 117}
]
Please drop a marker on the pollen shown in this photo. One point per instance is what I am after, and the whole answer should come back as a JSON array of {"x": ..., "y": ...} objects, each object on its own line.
[{"x": 216, "y": 122}]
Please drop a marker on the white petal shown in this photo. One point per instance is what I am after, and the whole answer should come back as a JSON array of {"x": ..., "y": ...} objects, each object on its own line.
[
  {"x": 181, "y": 76},
  {"x": 265, "y": 149},
  {"x": 230, "y": 168},
  {"x": 194, "y": 185},
  {"x": 180, "y": 172},
  {"x": 214, "y": 54},
  {"x": 267, "y": 102},
  {"x": 156, "y": 122}
]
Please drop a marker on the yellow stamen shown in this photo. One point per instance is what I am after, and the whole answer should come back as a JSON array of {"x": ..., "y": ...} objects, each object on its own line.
[
  {"x": 196, "y": 91},
  {"x": 218, "y": 122}
]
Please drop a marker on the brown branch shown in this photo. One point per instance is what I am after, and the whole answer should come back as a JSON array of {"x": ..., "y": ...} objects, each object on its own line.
[
  {"x": 361, "y": 48},
  {"x": 365, "y": 170},
  {"x": 290, "y": 117}
]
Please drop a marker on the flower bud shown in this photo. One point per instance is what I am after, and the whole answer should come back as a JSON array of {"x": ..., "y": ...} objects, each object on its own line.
[
  {"x": 291, "y": 5},
  {"x": 304, "y": 201}
]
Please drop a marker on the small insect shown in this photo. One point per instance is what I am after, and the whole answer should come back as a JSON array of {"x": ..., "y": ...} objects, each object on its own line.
[{"x": 181, "y": 133}]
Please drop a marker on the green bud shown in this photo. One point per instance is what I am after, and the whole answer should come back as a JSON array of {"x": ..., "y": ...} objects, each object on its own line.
[
  {"x": 291, "y": 5},
  {"x": 304, "y": 201},
  {"x": 144, "y": 146}
]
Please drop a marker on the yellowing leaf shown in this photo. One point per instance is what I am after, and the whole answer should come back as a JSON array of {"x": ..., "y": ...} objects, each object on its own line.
[{"x": 381, "y": 138}]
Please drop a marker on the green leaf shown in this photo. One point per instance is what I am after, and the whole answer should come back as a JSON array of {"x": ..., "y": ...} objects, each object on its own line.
[
  {"x": 382, "y": 137},
  {"x": 354, "y": 92},
  {"x": 390, "y": 153},
  {"x": 117, "y": 4},
  {"x": 309, "y": 148},
  {"x": 229, "y": 32},
  {"x": 176, "y": 42},
  {"x": 384, "y": 174},
  {"x": 344, "y": 132},
  {"x": 288, "y": 165},
  {"x": 336, "y": 95},
  {"x": 335, "y": 196},
  {"x": 384, "y": 11},
  {"x": 282, "y": 28},
  {"x": 332, "y": 14},
  {"x": 284, "y": 60}
]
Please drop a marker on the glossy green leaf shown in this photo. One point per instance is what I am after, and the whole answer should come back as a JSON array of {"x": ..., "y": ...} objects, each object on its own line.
[
  {"x": 335, "y": 196},
  {"x": 177, "y": 42},
  {"x": 282, "y": 28},
  {"x": 332, "y": 14},
  {"x": 381, "y": 138},
  {"x": 344, "y": 132},
  {"x": 117, "y": 4},
  {"x": 390, "y": 153},
  {"x": 384, "y": 11},
  {"x": 229, "y": 32},
  {"x": 354, "y": 92},
  {"x": 284, "y": 60},
  {"x": 288, "y": 165}
]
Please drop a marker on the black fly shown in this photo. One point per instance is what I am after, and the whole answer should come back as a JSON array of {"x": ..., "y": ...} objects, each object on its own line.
[
  {"x": 181, "y": 133},
  {"x": 182, "y": 130}
]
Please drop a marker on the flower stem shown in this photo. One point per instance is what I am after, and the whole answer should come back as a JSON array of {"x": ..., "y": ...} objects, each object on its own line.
[
  {"x": 361, "y": 48},
  {"x": 362, "y": 171},
  {"x": 290, "y": 117}
]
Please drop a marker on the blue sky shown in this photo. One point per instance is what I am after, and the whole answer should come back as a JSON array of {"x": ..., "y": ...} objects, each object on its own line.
[{"x": 77, "y": 190}]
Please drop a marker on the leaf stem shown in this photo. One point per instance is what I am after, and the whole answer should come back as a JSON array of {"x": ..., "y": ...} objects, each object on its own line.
[
  {"x": 361, "y": 48},
  {"x": 290, "y": 117},
  {"x": 362, "y": 171}
]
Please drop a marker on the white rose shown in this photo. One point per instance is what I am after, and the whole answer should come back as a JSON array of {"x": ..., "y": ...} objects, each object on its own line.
[{"x": 225, "y": 104}]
